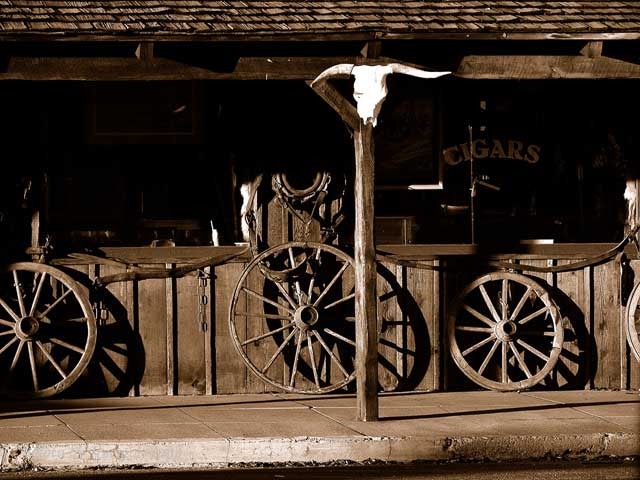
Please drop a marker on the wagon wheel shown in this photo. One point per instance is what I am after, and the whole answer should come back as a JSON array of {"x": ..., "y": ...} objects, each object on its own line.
[
  {"x": 505, "y": 332},
  {"x": 632, "y": 322},
  {"x": 47, "y": 330},
  {"x": 296, "y": 330}
]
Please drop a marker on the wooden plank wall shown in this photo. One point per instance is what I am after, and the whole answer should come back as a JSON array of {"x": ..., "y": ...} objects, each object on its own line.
[{"x": 152, "y": 340}]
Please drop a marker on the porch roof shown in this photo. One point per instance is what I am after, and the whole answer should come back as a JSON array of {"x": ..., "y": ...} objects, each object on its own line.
[{"x": 208, "y": 19}]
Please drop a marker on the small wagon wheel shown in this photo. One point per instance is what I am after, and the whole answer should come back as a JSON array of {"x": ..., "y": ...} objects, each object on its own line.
[
  {"x": 296, "y": 330},
  {"x": 47, "y": 330},
  {"x": 632, "y": 323},
  {"x": 505, "y": 332}
]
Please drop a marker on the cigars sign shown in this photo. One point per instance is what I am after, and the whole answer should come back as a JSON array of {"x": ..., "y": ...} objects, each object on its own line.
[{"x": 500, "y": 149}]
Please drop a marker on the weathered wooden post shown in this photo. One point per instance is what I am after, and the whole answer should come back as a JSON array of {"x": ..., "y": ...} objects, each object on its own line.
[{"x": 369, "y": 90}]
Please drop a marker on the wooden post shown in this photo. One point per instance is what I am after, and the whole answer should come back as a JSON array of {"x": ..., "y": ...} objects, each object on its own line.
[{"x": 365, "y": 276}]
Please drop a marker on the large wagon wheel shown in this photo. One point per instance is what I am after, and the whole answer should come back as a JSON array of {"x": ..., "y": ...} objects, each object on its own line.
[
  {"x": 292, "y": 317},
  {"x": 632, "y": 323},
  {"x": 505, "y": 332},
  {"x": 47, "y": 330}
]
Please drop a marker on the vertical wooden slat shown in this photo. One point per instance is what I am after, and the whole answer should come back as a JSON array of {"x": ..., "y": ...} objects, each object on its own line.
[
  {"x": 153, "y": 333},
  {"x": 118, "y": 364},
  {"x": 401, "y": 336},
  {"x": 587, "y": 308},
  {"x": 231, "y": 373},
  {"x": 365, "y": 268},
  {"x": 209, "y": 336},
  {"x": 435, "y": 333},
  {"x": 568, "y": 368},
  {"x": 189, "y": 341},
  {"x": 171, "y": 333},
  {"x": 606, "y": 325},
  {"x": 133, "y": 307},
  {"x": 390, "y": 358},
  {"x": 422, "y": 334}
]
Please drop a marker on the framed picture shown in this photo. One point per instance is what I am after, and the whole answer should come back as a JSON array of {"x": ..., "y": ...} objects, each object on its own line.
[
  {"x": 144, "y": 112},
  {"x": 406, "y": 141}
]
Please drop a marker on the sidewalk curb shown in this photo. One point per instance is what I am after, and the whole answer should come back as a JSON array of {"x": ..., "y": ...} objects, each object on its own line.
[{"x": 237, "y": 451}]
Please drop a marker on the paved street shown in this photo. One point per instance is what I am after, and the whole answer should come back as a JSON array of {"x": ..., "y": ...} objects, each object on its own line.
[{"x": 624, "y": 470}]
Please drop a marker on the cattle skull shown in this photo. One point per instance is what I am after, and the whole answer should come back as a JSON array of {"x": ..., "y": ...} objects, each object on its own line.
[{"x": 370, "y": 85}]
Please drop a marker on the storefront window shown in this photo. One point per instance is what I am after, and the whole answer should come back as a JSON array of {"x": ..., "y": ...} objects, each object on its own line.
[{"x": 549, "y": 161}]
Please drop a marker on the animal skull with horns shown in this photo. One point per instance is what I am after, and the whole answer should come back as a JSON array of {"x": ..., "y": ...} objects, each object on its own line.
[{"x": 370, "y": 85}]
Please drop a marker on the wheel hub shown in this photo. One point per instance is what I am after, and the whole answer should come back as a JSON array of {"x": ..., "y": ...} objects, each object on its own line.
[
  {"x": 306, "y": 316},
  {"x": 27, "y": 327},
  {"x": 506, "y": 330}
]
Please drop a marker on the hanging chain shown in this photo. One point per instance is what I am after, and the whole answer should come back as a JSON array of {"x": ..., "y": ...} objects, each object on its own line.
[{"x": 203, "y": 300}]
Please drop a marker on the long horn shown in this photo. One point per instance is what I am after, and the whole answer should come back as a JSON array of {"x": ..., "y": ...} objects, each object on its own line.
[
  {"x": 342, "y": 70},
  {"x": 415, "y": 72}
]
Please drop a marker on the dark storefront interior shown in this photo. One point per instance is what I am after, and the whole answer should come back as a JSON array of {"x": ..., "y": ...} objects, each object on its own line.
[{"x": 129, "y": 163}]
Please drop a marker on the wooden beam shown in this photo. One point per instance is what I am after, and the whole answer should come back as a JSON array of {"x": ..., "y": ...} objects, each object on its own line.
[
  {"x": 535, "y": 67},
  {"x": 148, "y": 67},
  {"x": 592, "y": 49},
  {"x": 144, "y": 51},
  {"x": 244, "y": 37},
  {"x": 365, "y": 277},
  {"x": 339, "y": 103},
  {"x": 372, "y": 49}
]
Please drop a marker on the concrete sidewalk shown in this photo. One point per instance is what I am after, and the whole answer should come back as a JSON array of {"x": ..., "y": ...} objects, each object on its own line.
[{"x": 276, "y": 428}]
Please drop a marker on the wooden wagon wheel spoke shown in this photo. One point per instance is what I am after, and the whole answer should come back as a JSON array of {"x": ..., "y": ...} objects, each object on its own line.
[
  {"x": 342, "y": 300},
  {"x": 537, "y": 333},
  {"x": 19, "y": 294},
  {"x": 520, "y": 361},
  {"x": 286, "y": 295},
  {"x": 313, "y": 278},
  {"x": 535, "y": 314},
  {"x": 489, "y": 303},
  {"x": 478, "y": 315},
  {"x": 268, "y": 334},
  {"x": 504, "y": 305},
  {"x": 278, "y": 352},
  {"x": 271, "y": 316},
  {"x": 464, "y": 328},
  {"x": 533, "y": 350},
  {"x": 9, "y": 310},
  {"x": 53, "y": 362},
  {"x": 297, "y": 282},
  {"x": 521, "y": 303},
  {"x": 494, "y": 347},
  {"x": 32, "y": 362},
  {"x": 57, "y": 302},
  {"x": 16, "y": 357},
  {"x": 331, "y": 284},
  {"x": 292, "y": 380},
  {"x": 7, "y": 332},
  {"x": 312, "y": 360},
  {"x": 504, "y": 372},
  {"x": 8, "y": 344},
  {"x": 475, "y": 348},
  {"x": 36, "y": 296},
  {"x": 339, "y": 337},
  {"x": 331, "y": 354},
  {"x": 266, "y": 300},
  {"x": 66, "y": 345},
  {"x": 7, "y": 323},
  {"x": 481, "y": 343},
  {"x": 64, "y": 321},
  {"x": 54, "y": 313}
]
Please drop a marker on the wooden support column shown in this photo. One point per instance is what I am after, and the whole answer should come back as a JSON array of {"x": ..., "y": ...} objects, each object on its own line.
[{"x": 365, "y": 276}]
